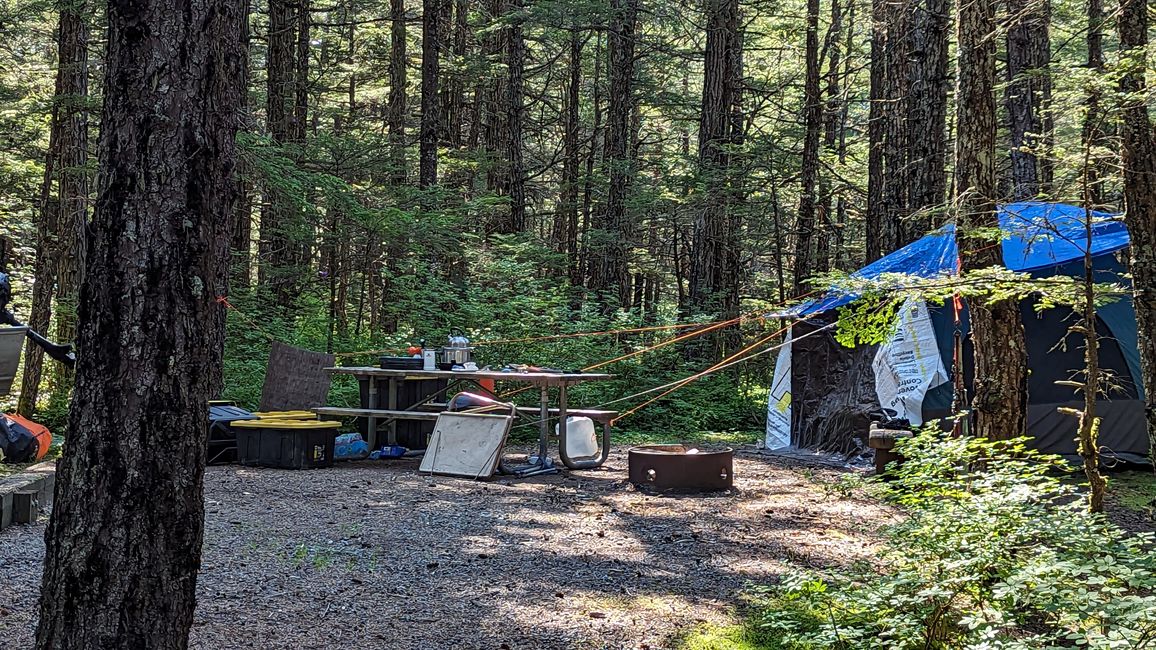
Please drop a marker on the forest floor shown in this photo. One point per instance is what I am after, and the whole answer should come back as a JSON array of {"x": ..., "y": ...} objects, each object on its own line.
[{"x": 371, "y": 555}]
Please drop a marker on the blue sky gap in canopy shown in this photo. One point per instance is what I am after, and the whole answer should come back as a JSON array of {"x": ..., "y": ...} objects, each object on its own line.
[{"x": 1036, "y": 236}]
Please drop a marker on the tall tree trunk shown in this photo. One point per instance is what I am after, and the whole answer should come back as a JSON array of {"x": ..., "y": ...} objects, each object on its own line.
[
  {"x": 64, "y": 212},
  {"x": 301, "y": 72},
  {"x": 397, "y": 96},
  {"x": 713, "y": 239},
  {"x": 566, "y": 222},
  {"x": 1095, "y": 125},
  {"x": 613, "y": 230},
  {"x": 1028, "y": 93},
  {"x": 1139, "y": 149},
  {"x": 831, "y": 129},
  {"x": 453, "y": 111},
  {"x": 276, "y": 252},
  {"x": 893, "y": 232},
  {"x": 124, "y": 541},
  {"x": 515, "y": 105},
  {"x": 1000, "y": 400},
  {"x": 430, "y": 113},
  {"x": 927, "y": 114},
  {"x": 593, "y": 154},
  {"x": 241, "y": 258},
  {"x": 876, "y": 128},
  {"x": 813, "y": 125}
]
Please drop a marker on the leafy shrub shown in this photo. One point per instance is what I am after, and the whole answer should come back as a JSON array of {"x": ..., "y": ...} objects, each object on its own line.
[{"x": 997, "y": 551}]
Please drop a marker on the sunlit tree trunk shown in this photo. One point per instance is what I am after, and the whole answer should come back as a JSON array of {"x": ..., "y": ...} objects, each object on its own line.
[
  {"x": 64, "y": 203},
  {"x": 1029, "y": 90},
  {"x": 612, "y": 230},
  {"x": 714, "y": 236},
  {"x": 1136, "y": 135},
  {"x": 1000, "y": 359}
]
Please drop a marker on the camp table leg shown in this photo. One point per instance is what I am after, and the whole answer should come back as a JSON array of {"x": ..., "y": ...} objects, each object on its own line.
[
  {"x": 544, "y": 464},
  {"x": 391, "y": 437},
  {"x": 588, "y": 463},
  {"x": 371, "y": 422}
]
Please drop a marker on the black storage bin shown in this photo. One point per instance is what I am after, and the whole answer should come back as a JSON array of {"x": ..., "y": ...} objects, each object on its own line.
[
  {"x": 411, "y": 434},
  {"x": 298, "y": 444},
  {"x": 222, "y": 442}
]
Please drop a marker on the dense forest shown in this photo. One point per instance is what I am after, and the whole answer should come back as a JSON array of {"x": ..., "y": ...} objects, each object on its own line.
[{"x": 519, "y": 168}]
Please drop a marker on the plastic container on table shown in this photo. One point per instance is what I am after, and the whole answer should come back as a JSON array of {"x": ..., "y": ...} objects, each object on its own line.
[{"x": 287, "y": 444}]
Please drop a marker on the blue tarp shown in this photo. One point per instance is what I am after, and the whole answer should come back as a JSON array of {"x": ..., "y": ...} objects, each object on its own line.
[{"x": 1037, "y": 236}]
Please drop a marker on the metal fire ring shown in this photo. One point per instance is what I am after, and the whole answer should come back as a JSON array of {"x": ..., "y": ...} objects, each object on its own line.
[{"x": 670, "y": 467}]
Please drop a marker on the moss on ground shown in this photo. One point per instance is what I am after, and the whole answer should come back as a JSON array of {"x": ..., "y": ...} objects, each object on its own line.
[
  {"x": 725, "y": 637},
  {"x": 1134, "y": 491}
]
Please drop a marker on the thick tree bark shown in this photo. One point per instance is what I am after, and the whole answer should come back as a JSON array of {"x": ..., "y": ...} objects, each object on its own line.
[
  {"x": 64, "y": 210},
  {"x": 926, "y": 114},
  {"x": 1028, "y": 93},
  {"x": 713, "y": 246},
  {"x": 613, "y": 231},
  {"x": 1000, "y": 359},
  {"x": 1139, "y": 158},
  {"x": 804, "y": 264},
  {"x": 395, "y": 111},
  {"x": 124, "y": 541},
  {"x": 430, "y": 108}
]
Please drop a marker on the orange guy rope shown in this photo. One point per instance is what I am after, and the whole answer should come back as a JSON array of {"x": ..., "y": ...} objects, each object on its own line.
[{"x": 704, "y": 373}]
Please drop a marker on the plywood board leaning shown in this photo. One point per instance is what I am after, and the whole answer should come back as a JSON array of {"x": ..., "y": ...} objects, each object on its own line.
[{"x": 466, "y": 444}]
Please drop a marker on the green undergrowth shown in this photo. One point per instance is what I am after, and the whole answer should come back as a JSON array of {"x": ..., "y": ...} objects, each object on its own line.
[
  {"x": 1134, "y": 491},
  {"x": 726, "y": 637},
  {"x": 997, "y": 551}
]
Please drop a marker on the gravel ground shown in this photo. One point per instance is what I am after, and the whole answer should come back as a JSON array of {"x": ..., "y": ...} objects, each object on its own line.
[{"x": 373, "y": 555}]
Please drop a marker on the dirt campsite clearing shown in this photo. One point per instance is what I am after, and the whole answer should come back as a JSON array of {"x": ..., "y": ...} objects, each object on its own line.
[{"x": 372, "y": 555}]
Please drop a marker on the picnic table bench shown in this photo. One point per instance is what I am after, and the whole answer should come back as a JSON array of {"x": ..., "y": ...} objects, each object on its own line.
[{"x": 428, "y": 409}]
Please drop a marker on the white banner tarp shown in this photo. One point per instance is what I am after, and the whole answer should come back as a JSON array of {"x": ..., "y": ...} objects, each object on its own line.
[
  {"x": 779, "y": 402},
  {"x": 909, "y": 365}
]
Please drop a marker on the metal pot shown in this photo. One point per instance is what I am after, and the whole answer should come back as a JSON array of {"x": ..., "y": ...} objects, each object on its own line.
[
  {"x": 458, "y": 352},
  {"x": 456, "y": 356}
]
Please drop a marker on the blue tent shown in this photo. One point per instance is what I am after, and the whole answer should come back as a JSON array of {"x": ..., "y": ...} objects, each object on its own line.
[
  {"x": 1039, "y": 236},
  {"x": 830, "y": 384}
]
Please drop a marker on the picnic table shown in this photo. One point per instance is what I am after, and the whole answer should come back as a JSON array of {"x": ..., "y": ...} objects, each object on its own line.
[{"x": 428, "y": 409}]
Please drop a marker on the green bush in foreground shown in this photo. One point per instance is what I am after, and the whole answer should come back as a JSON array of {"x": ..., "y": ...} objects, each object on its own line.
[{"x": 997, "y": 552}]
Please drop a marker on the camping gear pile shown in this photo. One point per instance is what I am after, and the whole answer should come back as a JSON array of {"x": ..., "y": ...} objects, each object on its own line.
[{"x": 823, "y": 394}]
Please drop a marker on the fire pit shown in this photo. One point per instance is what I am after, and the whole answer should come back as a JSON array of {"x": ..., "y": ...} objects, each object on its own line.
[{"x": 678, "y": 467}]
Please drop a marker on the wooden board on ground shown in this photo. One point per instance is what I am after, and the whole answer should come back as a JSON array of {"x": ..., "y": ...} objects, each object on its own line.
[
  {"x": 11, "y": 343},
  {"x": 466, "y": 444}
]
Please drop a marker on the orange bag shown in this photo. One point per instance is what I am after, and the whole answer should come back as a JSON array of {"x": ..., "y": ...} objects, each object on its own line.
[{"x": 41, "y": 436}]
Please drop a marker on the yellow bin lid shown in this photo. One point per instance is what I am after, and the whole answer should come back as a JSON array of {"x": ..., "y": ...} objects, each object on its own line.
[
  {"x": 286, "y": 424},
  {"x": 286, "y": 415}
]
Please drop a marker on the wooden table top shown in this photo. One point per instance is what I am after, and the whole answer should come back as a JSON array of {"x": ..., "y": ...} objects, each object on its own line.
[{"x": 533, "y": 378}]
